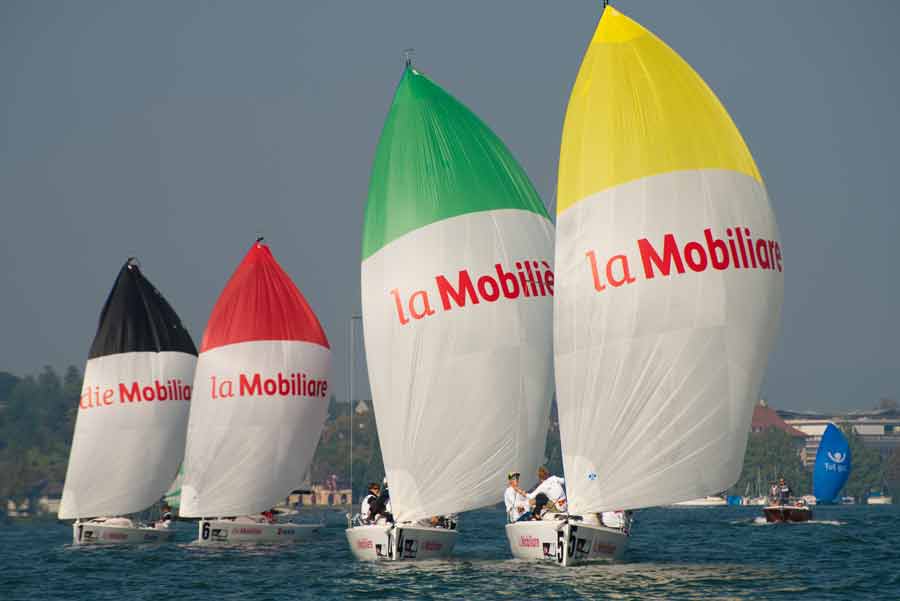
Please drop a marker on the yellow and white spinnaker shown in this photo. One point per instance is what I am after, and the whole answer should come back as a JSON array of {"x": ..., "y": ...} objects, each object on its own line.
[{"x": 669, "y": 279}]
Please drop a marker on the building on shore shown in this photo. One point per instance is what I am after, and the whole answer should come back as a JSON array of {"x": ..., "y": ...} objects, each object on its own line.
[
  {"x": 878, "y": 429},
  {"x": 765, "y": 418},
  {"x": 319, "y": 495}
]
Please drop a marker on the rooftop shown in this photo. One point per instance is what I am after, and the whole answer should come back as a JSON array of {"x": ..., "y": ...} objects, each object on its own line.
[{"x": 766, "y": 418}]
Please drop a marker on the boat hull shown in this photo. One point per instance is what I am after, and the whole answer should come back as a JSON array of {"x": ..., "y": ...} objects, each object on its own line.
[
  {"x": 95, "y": 533},
  {"x": 565, "y": 543},
  {"x": 234, "y": 532},
  {"x": 400, "y": 543},
  {"x": 787, "y": 513}
]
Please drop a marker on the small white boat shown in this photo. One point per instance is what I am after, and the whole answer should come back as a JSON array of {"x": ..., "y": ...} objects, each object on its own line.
[
  {"x": 261, "y": 399},
  {"x": 249, "y": 530},
  {"x": 710, "y": 501},
  {"x": 132, "y": 413},
  {"x": 879, "y": 500},
  {"x": 118, "y": 531},
  {"x": 400, "y": 542},
  {"x": 566, "y": 541}
]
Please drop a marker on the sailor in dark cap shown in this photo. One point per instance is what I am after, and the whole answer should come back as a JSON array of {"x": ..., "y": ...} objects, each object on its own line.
[{"x": 516, "y": 503}]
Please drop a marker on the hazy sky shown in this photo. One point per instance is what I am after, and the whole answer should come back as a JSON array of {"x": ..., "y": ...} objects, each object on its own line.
[{"x": 175, "y": 131}]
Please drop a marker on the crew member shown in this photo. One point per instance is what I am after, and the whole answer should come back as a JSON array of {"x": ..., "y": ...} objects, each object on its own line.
[
  {"x": 165, "y": 518},
  {"x": 550, "y": 493},
  {"x": 515, "y": 500},
  {"x": 381, "y": 506},
  {"x": 784, "y": 492},
  {"x": 366, "y": 506}
]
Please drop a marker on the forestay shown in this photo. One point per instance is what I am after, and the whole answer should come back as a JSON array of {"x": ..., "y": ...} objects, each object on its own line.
[
  {"x": 133, "y": 410},
  {"x": 261, "y": 394},
  {"x": 457, "y": 283},
  {"x": 669, "y": 279}
]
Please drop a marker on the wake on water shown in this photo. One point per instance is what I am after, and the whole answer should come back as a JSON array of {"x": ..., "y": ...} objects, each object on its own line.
[{"x": 761, "y": 521}]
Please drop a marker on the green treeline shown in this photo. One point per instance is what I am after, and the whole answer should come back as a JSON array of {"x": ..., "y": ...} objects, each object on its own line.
[
  {"x": 774, "y": 454},
  {"x": 771, "y": 455},
  {"x": 37, "y": 418}
]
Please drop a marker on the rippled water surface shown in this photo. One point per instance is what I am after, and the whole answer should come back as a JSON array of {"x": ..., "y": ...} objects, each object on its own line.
[{"x": 848, "y": 552}]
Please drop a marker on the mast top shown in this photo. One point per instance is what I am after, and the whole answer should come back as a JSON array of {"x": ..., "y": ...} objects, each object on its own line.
[{"x": 408, "y": 54}]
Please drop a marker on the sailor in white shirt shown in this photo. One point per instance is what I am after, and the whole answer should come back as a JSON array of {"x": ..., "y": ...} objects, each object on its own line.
[
  {"x": 366, "y": 505},
  {"x": 516, "y": 502},
  {"x": 553, "y": 487}
]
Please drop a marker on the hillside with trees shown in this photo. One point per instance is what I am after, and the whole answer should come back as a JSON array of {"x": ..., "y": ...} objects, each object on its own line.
[{"x": 37, "y": 417}]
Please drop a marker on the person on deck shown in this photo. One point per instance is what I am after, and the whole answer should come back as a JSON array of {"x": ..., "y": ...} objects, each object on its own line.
[
  {"x": 380, "y": 508},
  {"x": 165, "y": 518},
  {"x": 515, "y": 500},
  {"x": 784, "y": 492},
  {"x": 550, "y": 493},
  {"x": 366, "y": 506}
]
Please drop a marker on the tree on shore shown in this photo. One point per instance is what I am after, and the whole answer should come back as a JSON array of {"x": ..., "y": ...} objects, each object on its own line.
[
  {"x": 36, "y": 424},
  {"x": 771, "y": 455},
  {"x": 866, "y": 471}
]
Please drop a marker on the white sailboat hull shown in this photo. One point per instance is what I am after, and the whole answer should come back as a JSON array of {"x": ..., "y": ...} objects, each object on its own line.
[
  {"x": 237, "y": 532},
  {"x": 396, "y": 543},
  {"x": 565, "y": 543},
  {"x": 124, "y": 533}
]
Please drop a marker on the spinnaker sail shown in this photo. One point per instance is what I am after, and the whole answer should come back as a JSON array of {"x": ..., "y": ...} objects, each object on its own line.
[
  {"x": 172, "y": 497},
  {"x": 669, "y": 279},
  {"x": 833, "y": 463},
  {"x": 133, "y": 410},
  {"x": 457, "y": 283},
  {"x": 261, "y": 394}
]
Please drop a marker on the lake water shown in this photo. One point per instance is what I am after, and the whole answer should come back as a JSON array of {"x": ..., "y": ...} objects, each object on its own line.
[{"x": 847, "y": 552}]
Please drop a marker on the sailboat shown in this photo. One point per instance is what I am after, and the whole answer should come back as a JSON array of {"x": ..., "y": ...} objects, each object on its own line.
[
  {"x": 261, "y": 400},
  {"x": 457, "y": 287},
  {"x": 668, "y": 293},
  {"x": 132, "y": 415},
  {"x": 833, "y": 464}
]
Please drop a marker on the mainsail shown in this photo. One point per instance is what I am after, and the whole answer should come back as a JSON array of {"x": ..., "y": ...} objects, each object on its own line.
[
  {"x": 457, "y": 284},
  {"x": 261, "y": 394},
  {"x": 133, "y": 411},
  {"x": 669, "y": 279},
  {"x": 833, "y": 461}
]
